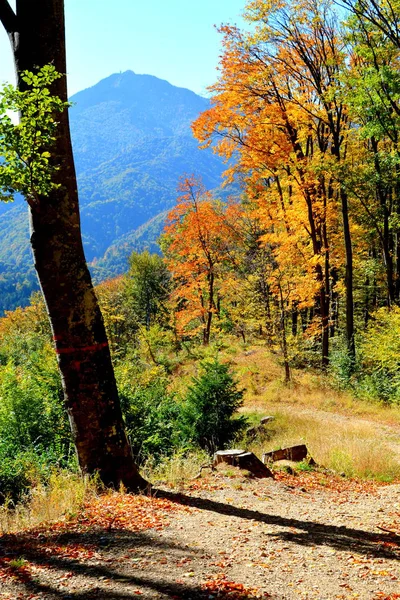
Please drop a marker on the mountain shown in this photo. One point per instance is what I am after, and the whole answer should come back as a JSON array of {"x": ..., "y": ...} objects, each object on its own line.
[{"x": 132, "y": 142}]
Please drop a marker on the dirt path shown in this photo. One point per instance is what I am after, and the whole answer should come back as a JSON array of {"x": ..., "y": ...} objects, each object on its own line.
[{"x": 311, "y": 536}]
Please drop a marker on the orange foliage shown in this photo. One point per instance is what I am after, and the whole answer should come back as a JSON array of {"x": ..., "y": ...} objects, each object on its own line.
[
  {"x": 199, "y": 239},
  {"x": 277, "y": 106}
]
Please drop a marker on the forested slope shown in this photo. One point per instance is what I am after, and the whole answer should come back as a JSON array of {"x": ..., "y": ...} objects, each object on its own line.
[{"x": 132, "y": 142}]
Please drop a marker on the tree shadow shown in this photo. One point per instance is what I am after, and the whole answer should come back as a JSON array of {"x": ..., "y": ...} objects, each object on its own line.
[
  {"x": 311, "y": 533},
  {"x": 52, "y": 551},
  {"x": 38, "y": 553}
]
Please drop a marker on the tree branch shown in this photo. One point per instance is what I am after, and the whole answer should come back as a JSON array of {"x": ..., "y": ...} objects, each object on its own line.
[{"x": 8, "y": 17}]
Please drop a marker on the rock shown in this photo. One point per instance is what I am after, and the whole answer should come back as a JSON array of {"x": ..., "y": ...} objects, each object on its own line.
[
  {"x": 266, "y": 420},
  {"x": 259, "y": 430},
  {"x": 243, "y": 460}
]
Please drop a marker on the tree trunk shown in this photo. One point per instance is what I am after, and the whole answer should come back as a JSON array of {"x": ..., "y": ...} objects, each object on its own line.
[
  {"x": 351, "y": 348},
  {"x": 283, "y": 336},
  {"x": 206, "y": 335},
  {"x": 37, "y": 37}
]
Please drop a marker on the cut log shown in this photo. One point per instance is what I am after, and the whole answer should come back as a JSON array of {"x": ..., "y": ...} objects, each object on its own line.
[
  {"x": 295, "y": 453},
  {"x": 243, "y": 460},
  {"x": 226, "y": 456},
  {"x": 250, "y": 462}
]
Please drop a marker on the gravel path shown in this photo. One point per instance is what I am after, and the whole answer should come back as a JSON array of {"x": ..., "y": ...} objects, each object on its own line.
[{"x": 313, "y": 536}]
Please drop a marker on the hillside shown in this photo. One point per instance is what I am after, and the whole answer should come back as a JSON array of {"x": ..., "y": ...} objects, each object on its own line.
[
  {"x": 132, "y": 141},
  {"x": 306, "y": 533}
]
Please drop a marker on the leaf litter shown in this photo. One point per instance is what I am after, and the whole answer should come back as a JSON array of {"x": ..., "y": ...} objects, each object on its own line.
[{"x": 313, "y": 535}]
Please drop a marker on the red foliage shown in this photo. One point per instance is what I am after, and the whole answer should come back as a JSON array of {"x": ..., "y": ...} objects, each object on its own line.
[{"x": 224, "y": 589}]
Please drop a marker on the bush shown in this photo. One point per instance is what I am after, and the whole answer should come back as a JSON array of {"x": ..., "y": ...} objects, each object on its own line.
[
  {"x": 32, "y": 415},
  {"x": 375, "y": 375},
  {"x": 22, "y": 470},
  {"x": 380, "y": 357},
  {"x": 151, "y": 413},
  {"x": 210, "y": 404},
  {"x": 35, "y": 436}
]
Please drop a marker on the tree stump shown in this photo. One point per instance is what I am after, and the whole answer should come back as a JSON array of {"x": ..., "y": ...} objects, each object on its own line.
[
  {"x": 294, "y": 453},
  {"x": 243, "y": 460}
]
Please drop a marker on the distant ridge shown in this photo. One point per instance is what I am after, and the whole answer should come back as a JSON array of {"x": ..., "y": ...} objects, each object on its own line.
[{"x": 132, "y": 141}]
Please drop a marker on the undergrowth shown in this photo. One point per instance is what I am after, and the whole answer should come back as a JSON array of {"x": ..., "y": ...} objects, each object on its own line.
[
  {"x": 62, "y": 497},
  {"x": 342, "y": 433}
]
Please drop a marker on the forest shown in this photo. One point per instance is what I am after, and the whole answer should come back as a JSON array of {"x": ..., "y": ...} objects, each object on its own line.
[{"x": 280, "y": 302}]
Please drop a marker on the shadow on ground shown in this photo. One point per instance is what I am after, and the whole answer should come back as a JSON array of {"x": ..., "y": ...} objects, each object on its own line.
[
  {"x": 127, "y": 580},
  {"x": 311, "y": 533}
]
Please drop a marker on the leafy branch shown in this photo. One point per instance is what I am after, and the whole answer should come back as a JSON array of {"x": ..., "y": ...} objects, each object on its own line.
[{"x": 25, "y": 147}]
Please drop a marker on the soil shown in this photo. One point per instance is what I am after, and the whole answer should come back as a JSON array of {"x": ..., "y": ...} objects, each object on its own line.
[{"x": 314, "y": 535}]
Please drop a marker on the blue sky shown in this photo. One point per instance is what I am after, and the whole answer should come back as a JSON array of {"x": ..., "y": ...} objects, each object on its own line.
[{"x": 171, "y": 39}]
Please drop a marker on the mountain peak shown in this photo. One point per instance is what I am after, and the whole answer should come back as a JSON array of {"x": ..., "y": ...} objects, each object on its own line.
[
  {"x": 132, "y": 141},
  {"x": 128, "y": 83}
]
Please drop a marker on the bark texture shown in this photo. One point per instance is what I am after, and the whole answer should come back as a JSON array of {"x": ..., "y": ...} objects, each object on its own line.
[{"x": 37, "y": 36}]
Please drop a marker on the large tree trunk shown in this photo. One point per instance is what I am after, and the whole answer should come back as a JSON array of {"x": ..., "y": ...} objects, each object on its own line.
[{"x": 37, "y": 37}]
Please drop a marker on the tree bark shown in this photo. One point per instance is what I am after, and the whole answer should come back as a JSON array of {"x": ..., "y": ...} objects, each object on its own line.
[
  {"x": 351, "y": 348},
  {"x": 37, "y": 36},
  {"x": 207, "y": 330}
]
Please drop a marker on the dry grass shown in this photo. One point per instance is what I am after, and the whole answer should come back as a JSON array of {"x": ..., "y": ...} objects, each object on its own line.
[
  {"x": 177, "y": 469},
  {"x": 63, "y": 496},
  {"x": 262, "y": 377},
  {"x": 354, "y": 447}
]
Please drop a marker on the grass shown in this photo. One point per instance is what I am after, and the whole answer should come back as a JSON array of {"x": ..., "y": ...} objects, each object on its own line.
[
  {"x": 355, "y": 448},
  {"x": 177, "y": 469},
  {"x": 64, "y": 496}
]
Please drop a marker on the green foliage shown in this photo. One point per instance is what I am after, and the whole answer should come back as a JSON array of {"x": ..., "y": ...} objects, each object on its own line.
[
  {"x": 341, "y": 366},
  {"x": 34, "y": 432},
  {"x": 147, "y": 287},
  {"x": 25, "y": 147},
  {"x": 31, "y": 411},
  {"x": 380, "y": 357},
  {"x": 210, "y": 404},
  {"x": 22, "y": 471},
  {"x": 158, "y": 423},
  {"x": 376, "y": 373},
  {"x": 151, "y": 413}
]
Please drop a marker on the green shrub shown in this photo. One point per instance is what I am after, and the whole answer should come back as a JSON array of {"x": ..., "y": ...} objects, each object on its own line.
[
  {"x": 375, "y": 375},
  {"x": 21, "y": 470},
  {"x": 151, "y": 414},
  {"x": 35, "y": 436},
  {"x": 210, "y": 404},
  {"x": 32, "y": 415},
  {"x": 380, "y": 357}
]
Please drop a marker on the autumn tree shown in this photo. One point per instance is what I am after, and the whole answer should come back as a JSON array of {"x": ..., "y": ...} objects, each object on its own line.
[
  {"x": 373, "y": 96},
  {"x": 197, "y": 243},
  {"x": 36, "y": 33},
  {"x": 275, "y": 105}
]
